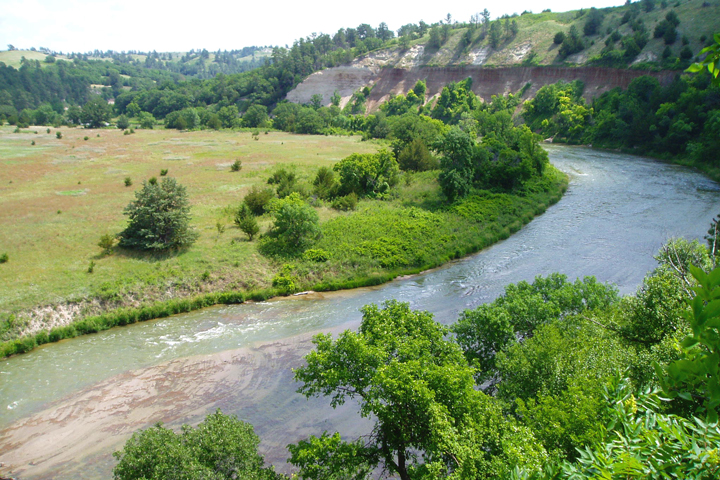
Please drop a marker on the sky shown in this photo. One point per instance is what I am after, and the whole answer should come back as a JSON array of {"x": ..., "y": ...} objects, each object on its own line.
[{"x": 175, "y": 26}]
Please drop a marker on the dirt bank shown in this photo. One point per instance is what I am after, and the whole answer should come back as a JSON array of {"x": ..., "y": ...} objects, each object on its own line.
[{"x": 486, "y": 81}]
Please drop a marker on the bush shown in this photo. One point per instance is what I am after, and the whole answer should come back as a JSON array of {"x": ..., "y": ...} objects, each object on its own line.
[
  {"x": 107, "y": 242},
  {"x": 221, "y": 447},
  {"x": 296, "y": 225},
  {"x": 325, "y": 185},
  {"x": 159, "y": 218},
  {"x": 347, "y": 203},
  {"x": 246, "y": 222},
  {"x": 316, "y": 255},
  {"x": 128, "y": 181},
  {"x": 163, "y": 172},
  {"x": 4, "y": 258},
  {"x": 123, "y": 122},
  {"x": 559, "y": 38},
  {"x": 236, "y": 166},
  {"x": 58, "y": 135},
  {"x": 258, "y": 199}
]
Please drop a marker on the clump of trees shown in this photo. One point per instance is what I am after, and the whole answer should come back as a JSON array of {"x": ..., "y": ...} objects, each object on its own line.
[{"x": 220, "y": 447}]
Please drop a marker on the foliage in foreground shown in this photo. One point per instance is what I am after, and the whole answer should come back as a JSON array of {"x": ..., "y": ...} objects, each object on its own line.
[
  {"x": 429, "y": 419},
  {"x": 221, "y": 447}
]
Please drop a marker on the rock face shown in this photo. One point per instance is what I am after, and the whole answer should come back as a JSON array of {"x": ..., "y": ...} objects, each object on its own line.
[{"x": 486, "y": 81}]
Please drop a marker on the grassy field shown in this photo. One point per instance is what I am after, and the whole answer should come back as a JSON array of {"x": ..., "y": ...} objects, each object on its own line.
[
  {"x": 13, "y": 58},
  {"x": 59, "y": 196}
]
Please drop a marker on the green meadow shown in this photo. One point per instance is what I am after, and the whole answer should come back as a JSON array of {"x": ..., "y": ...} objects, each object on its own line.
[{"x": 59, "y": 196}]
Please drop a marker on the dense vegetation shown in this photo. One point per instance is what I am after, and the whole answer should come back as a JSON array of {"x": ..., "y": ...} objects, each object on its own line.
[
  {"x": 680, "y": 121},
  {"x": 554, "y": 379}
]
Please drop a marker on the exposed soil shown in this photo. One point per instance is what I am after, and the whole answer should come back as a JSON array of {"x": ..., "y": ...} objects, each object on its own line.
[{"x": 486, "y": 81}]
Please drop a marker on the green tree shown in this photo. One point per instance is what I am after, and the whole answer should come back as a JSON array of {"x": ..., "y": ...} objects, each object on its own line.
[
  {"x": 367, "y": 174},
  {"x": 221, "y": 447},
  {"x": 296, "y": 225},
  {"x": 122, "y": 122},
  {"x": 159, "y": 217},
  {"x": 325, "y": 184},
  {"x": 246, "y": 221},
  {"x": 430, "y": 422},
  {"x": 96, "y": 112},
  {"x": 255, "y": 116},
  {"x": 146, "y": 120}
]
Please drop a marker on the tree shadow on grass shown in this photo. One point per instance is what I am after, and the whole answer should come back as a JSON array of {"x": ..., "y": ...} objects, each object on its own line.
[{"x": 149, "y": 256}]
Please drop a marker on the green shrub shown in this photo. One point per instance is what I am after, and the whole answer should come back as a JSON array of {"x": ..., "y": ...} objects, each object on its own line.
[
  {"x": 316, "y": 255},
  {"x": 236, "y": 166},
  {"x": 107, "y": 242},
  {"x": 346, "y": 203},
  {"x": 163, "y": 172},
  {"x": 128, "y": 181},
  {"x": 246, "y": 221},
  {"x": 4, "y": 258},
  {"x": 258, "y": 199},
  {"x": 58, "y": 135},
  {"x": 86, "y": 138},
  {"x": 284, "y": 281}
]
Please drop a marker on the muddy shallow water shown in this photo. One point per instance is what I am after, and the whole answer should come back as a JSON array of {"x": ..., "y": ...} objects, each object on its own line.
[{"x": 64, "y": 408}]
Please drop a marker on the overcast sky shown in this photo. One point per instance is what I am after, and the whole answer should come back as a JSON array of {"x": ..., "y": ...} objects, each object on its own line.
[{"x": 162, "y": 25}]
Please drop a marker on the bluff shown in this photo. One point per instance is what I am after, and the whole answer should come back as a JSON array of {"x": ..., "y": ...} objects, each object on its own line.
[{"x": 487, "y": 81}]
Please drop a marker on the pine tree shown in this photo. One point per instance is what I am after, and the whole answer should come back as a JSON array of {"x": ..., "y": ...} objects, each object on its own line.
[{"x": 159, "y": 218}]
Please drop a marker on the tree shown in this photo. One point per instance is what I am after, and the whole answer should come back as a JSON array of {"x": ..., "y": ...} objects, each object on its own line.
[
  {"x": 246, "y": 221},
  {"x": 146, "y": 120},
  {"x": 159, "y": 218},
  {"x": 96, "y": 112},
  {"x": 430, "y": 422},
  {"x": 122, "y": 122},
  {"x": 367, "y": 174},
  {"x": 255, "y": 116},
  {"x": 221, "y": 447},
  {"x": 296, "y": 225}
]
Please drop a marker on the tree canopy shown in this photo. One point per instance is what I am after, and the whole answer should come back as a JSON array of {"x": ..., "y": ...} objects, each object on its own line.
[{"x": 159, "y": 217}]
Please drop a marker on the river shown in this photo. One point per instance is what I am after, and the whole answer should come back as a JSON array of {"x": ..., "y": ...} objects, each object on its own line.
[{"x": 65, "y": 407}]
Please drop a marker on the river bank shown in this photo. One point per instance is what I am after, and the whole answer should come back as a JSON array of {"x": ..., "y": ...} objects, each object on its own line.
[
  {"x": 616, "y": 214},
  {"x": 387, "y": 239}
]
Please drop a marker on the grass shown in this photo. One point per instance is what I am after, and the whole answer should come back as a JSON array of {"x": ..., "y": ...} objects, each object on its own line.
[{"x": 57, "y": 224}]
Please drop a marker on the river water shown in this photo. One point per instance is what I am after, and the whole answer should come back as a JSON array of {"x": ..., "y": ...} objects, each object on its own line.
[{"x": 64, "y": 408}]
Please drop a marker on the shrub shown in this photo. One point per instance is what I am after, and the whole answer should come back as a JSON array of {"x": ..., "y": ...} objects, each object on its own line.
[
  {"x": 32, "y": 143},
  {"x": 163, "y": 172},
  {"x": 91, "y": 267},
  {"x": 246, "y": 221},
  {"x": 296, "y": 225},
  {"x": 284, "y": 281},
  {"x": 559, "y": 37},
  {"x": 4, "y": 258},
  {"x": 258, "y": 199},
  {"x": 159, "y": 217},
  {"x": 107, "y": 242},
  {"x": 123, "y": 122},
  {"x": 58, "y": 135},
  {"x": 86, "y": 138},
  {"x": 47, "y": 130},
  {"x": 325, "y": 185},
  {"x": 346, "y": 203},
  {"x": 316, "y": 255},
  {"x": 128, "y": 181},
  {"x": 236, "y": 166}
]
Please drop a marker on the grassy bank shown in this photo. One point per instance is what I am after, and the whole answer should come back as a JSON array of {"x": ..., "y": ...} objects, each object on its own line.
[{"x": 60, "y": 195}]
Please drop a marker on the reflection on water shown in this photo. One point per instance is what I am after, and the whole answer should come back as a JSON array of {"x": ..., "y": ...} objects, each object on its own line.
[{"x": 614, "y": 217}]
